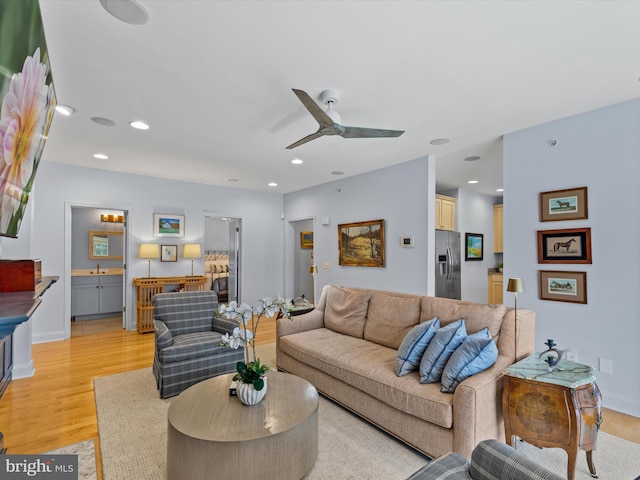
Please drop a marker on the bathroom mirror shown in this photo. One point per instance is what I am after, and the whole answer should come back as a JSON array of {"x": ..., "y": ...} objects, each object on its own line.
[{"x": 105, "y": 245}]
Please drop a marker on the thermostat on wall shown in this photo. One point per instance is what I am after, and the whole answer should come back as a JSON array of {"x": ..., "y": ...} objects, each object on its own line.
[{"x": 406, "y": 242}]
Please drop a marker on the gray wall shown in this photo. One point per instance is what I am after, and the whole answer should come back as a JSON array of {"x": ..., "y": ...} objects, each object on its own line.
[
  {"x": 47, "y": 229},
  {"x": 599, "y": 150},
  {"x": 397, "y": 194}
]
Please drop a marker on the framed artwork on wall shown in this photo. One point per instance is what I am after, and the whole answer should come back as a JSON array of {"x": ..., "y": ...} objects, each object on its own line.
[
  {"x": 168, "y": 225},
  {"x": 474, "y": 246},
  {"x": 306, "y": 239},
  {"x": 168, "y": 253},
  {"x": 571, "y": 245},
  {"x": 570, "y": 204},
  {"x": 561, "y": 286},
  {"x": 361, "y": 244}
]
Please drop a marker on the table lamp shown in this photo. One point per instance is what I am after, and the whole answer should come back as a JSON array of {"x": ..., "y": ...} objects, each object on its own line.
[
  {"x": 515, "y": 286},
  {"x": 313, "y": 270},
  {"x": 149, "y": 251},
  {"x": 192, "y": 251}
]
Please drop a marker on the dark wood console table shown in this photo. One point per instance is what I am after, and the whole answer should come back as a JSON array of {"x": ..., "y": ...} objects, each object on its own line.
[{"x": 16, "y": 308}]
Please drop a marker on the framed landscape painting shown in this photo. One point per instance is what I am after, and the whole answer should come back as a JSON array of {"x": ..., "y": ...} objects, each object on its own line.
[
  {"x": 474, "y": 246},
  {"x": 560, "y": 205},
  {"x": 361, "y": 244},
  {"x": 167, "y": 225},
  {"x": 306, "y": 239},
  {"x": 563, "y": 286},
  {"x": 571, "y": 245}
]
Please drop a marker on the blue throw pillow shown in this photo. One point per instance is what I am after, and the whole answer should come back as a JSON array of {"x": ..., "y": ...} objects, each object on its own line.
[
  {"x": 440, "y": 348},
  {"x": 477, "y": 353},
  {"x": 413, "y": 346}
]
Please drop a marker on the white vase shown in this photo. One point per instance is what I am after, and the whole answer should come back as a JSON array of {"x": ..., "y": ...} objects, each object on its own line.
[{"x": 248, "y": 395}]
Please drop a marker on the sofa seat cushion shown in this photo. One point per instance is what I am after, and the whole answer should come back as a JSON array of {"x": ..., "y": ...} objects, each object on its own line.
[
  {"x": 370, "y": 368},
  {"x": 391, "y": 317},
  {"x": 346, "y": 310},
  {"x": 191, "y": 345}
]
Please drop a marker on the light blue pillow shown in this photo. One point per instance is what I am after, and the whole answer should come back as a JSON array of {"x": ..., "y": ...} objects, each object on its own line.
[
  {"x": 413, "y": 346},
  {"x": 440, "y": 348},
  {"x": 477, "y": 353}
]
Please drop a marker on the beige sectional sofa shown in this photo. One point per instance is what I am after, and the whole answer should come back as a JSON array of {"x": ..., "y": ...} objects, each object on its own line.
[{"x": 347, "y": 348}]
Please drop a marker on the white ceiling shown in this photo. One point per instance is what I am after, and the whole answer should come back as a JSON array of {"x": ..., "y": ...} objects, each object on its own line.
[{"x": 214, "y": 80}]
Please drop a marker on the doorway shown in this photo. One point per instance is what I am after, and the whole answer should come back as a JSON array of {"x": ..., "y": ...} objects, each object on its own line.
[
  {"x": 222, "y": 258},
  {"x": 97, "y": 270},
  {"x": 303, "y": 279}
]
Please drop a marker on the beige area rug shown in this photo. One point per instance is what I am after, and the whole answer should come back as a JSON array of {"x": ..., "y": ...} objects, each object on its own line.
[{"x": 132, "y": 423}]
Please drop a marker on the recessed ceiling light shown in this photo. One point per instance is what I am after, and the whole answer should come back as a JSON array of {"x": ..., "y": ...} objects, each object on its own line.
[
  {"x": 233, "y": 180},
  {"x": 297, "y": 161},
  {"x": 100, "y": 156},
  {"x": 139, "y": 124},
  {"x": 499, "y": 189},
  {"x": 105, "y": 122},
  {"x": 273, "y": 184},
  {"x": 439, "y": 141},
  {"x": 472, "y": 158},
  {"x": 472, "y": 181},
  {"x": 337, "y": 172},
  {"x": 128, "y": 11},
  {"x": 65, "y": 110}
]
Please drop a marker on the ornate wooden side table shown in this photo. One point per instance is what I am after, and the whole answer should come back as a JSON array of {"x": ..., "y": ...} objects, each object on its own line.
[{"x": 560, "y": 408}]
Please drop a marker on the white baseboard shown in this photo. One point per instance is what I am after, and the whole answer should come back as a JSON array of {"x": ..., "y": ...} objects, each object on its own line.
[
  {"x": 23, "y": 371},
  {"x": 619, "y": 403},
  {"x": 48, "y": 337}
]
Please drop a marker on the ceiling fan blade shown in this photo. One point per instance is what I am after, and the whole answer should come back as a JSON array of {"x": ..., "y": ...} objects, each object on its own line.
[
  {"x": 314, "y": 109},
  {"x": 360, "y": 132},
  {"x": 306, "y": 139}
]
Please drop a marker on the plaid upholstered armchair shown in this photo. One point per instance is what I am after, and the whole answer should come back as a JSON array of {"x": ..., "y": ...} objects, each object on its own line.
[{"x": 187, "y": 334}]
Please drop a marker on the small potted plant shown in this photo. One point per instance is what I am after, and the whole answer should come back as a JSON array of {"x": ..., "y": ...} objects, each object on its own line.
[
  {"x": 500, "y": 265},
  {"x": 252, "y": 386}
]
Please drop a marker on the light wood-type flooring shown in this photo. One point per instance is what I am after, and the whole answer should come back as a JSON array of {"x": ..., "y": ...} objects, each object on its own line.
[{"x": 56, "y": 406}]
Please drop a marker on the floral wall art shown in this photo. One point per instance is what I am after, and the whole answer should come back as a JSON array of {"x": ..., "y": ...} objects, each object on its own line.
[{"x": 27, "y": 103}]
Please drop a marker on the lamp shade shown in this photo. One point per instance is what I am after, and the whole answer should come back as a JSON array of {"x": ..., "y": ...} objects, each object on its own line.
[
  {"x": 149, "y": 250},
  {"x": 313, "y": 269},
  {"x": 515, "y": 285},
  {"x": 192, "y": 250}
]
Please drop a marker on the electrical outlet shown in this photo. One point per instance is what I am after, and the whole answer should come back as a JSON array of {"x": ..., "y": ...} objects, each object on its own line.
[
  {"x": 572, "y": 355},
  {"x": 606, "y": 365}
]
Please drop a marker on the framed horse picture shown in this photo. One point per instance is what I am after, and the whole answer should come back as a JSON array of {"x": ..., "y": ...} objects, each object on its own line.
[
  {"x": 572, "y": 245},
  {"x": 560, "y": 205}
]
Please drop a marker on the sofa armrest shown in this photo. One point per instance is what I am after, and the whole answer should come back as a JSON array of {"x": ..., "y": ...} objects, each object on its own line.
[
  {"x": 223, "y": 324},
  {"x": 163, "y": 334},
  {"x": 449, "y": 466},
  {"x": 492, "y": 459},
  {"x": 477, "y": 407},
  {"x": 300, "y": 323}
]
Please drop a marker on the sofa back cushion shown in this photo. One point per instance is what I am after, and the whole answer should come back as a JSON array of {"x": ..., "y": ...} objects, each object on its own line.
[
  {"x": 391, "y": 317},
  {"x": 185, "y": 312},
  {"x": 477, "y": 316},
  {"x": 346, "y": 310}
]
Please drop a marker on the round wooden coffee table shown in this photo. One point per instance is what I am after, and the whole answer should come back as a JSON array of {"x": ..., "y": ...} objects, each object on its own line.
[{"x": 212, "y": 435}]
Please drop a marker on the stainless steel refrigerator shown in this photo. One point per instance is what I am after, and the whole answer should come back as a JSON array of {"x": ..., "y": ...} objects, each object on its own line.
[{"x": 447, "y": 264}]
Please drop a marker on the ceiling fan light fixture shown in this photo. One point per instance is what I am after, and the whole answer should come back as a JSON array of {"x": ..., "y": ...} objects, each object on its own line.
[{"x": 332, "y": 114}]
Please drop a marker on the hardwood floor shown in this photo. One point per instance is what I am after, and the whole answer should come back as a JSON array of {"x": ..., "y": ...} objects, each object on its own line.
[{"x": 56, "y": 406}]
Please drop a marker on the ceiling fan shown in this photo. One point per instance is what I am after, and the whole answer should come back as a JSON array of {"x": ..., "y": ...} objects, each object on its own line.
[{"x": 329, "y": 121}]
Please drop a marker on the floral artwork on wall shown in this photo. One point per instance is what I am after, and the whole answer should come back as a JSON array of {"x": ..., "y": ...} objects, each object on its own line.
[{"x": 27, "y": 104}]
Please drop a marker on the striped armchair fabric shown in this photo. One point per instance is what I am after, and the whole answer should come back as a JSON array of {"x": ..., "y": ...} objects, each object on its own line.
[
  {"x": 490, "y": 460},
  {"x": 187, "y": 337}
]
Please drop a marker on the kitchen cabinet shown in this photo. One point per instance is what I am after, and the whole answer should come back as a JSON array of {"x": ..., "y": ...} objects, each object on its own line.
[
  {"x": 95, "y": 295},
  {"x": 495, "y": 288},
  {"x": 497, "y": 228},
  {"x": 445, "y": 213}
]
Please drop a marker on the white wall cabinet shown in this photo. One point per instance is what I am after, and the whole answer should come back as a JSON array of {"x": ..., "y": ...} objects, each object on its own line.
[{"x": 96, "y": 295}]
